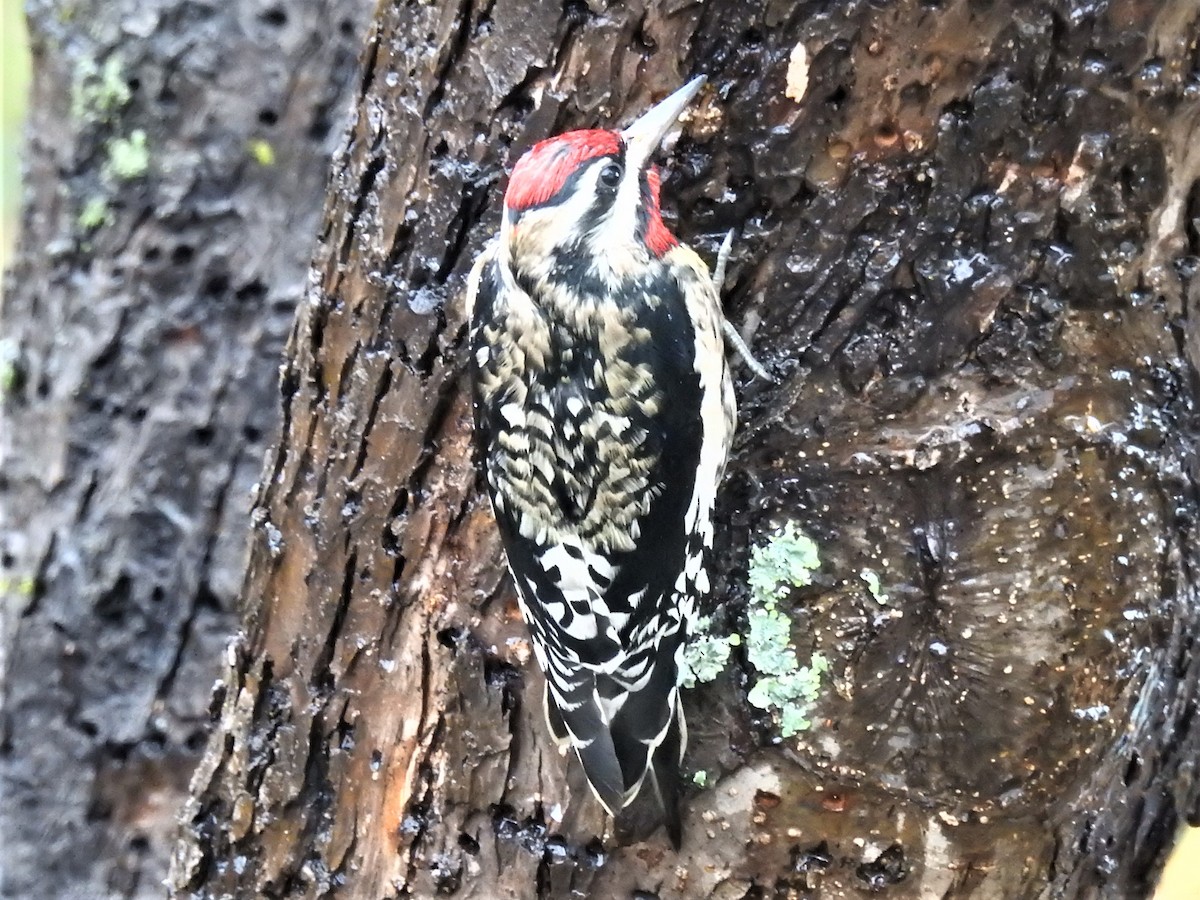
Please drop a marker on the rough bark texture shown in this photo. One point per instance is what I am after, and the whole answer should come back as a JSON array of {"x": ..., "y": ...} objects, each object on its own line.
[
  {"x": 176, "y": 161},
  {"x": 969, "y": 251}
]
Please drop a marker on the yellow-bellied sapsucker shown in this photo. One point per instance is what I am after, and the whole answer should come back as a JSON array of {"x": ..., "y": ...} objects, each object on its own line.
[{"x": 604, "y": 412}]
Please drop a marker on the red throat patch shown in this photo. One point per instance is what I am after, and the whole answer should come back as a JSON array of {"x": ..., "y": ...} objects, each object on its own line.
[
  {"x": 658, "y": 237},
  {"x": 545, "y": 167}
]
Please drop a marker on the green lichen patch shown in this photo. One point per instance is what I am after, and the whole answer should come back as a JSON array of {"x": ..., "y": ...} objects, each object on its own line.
[
  {"x": 20, "y": 587},
  {"x": 791, "y": 694},
  {"x": 788, "y": 559},
  {"x": 769, "y": 643},
  {"x": 785, "y": 687},
  {"x": 8, "y": 378},
  {"x": 261, "y": 151},
  {"x": 94, "y": 213},
  {"x": 99, "y": 92},
  {"x": 700, "y": 779},
  {"x": 8, "y": 366},
  {"x": 128, "y": 157},
  {"x": 704, "y": 656}
]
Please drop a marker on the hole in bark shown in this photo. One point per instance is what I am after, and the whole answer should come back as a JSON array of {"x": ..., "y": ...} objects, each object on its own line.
[
  {"x": 152, "y": 254},
  {"x": 346, "y": 27},
  {"x": 886, "y": 869},
  {"x": 497, "y": 673},
  {"x": 557, "y": 850},
  {"x": 139, "y": 843},
  {"x": 1085, "y": 837},
  {"x": 183, "y": 254},
  {"x": 451, "y": 637},
  {"x": 960, "y": 109},
  {"x": 505, "y": 677},
  {"x": 134, "y": 85},
  {"x": 319, "y": 129},
  {"x": 594, "y": 853},
  {"x": 416, "y": 820},
  {"x": 99, "y": 810},
  {"x": 1192, "y": 218},
  {"x": 650, "y": 895},
  {"x": 216, "y": 701},
  {"x": 251, "y": 292},
  {"x": 504, "y": 821},
  {"x": 643, "y": 40},
  {"x": 815, "y": 858},
  {"x": 533, "y": 834},
  {"x": 216, "y": 286},
  {"x": 275, "y": 16},
  {"x": 203, "y": 436},
  {"x": 206, "y": 598},
  {"x": 468, "y": 843},
  {"x": 837, "y": 98},
  {"x": 914, "y": 94},
  {"x": 89, "y": 728},
  {"x": 115, "y": 602},
  {"x": 251, "y": 435},
  {"x": 345, "y": 735},
  {"x": 400, "y": 505},
  {"x": 1133, "y": 769},
  {"x": 448, "y": 876},
  {"x": 576, "y": 12},
  {"x": 196, "y": 742},
  {"x": 267, "y": 117}
]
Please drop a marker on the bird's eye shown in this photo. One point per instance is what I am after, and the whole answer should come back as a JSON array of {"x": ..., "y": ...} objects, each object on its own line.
[{"x": 610, "y": 175}]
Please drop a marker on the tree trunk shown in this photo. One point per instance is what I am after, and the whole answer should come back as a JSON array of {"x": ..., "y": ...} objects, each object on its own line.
[
  {"x": 176, "y": 158},
  {"x": 967, "y": 246}
]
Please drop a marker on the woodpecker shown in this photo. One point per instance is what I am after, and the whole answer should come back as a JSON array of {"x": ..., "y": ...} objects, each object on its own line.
[{"x": 604, "y": 412}]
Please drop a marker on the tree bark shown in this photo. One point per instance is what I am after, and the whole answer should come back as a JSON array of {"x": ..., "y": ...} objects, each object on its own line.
[
  {"x": 968, "y": 247},
  {"x": 176, "y": 156}
]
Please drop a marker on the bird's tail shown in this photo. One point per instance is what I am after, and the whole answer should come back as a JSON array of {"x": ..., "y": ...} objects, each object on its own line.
[{"x": 626, "y": 740}]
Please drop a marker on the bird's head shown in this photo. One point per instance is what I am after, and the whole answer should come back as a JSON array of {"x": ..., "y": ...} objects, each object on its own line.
[{"x": 593, "y": 193}]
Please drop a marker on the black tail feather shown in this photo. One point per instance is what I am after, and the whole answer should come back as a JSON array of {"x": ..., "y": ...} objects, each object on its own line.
[
  {"x": 591, "y": 739},
  {"x": 658, "y": 803},
  {"x": 640, "y": 748},
  {"x": 664, "y": 774},
  {"x": 603, "y": 770}
]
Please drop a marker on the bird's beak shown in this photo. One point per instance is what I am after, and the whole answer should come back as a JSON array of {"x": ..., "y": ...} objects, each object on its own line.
[{"x": 643, "y": 136}]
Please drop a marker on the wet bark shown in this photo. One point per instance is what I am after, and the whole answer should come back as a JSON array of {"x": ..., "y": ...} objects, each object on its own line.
[
  {"x": 175, "y": 165},
  {"x": 967, "y": 247}
]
